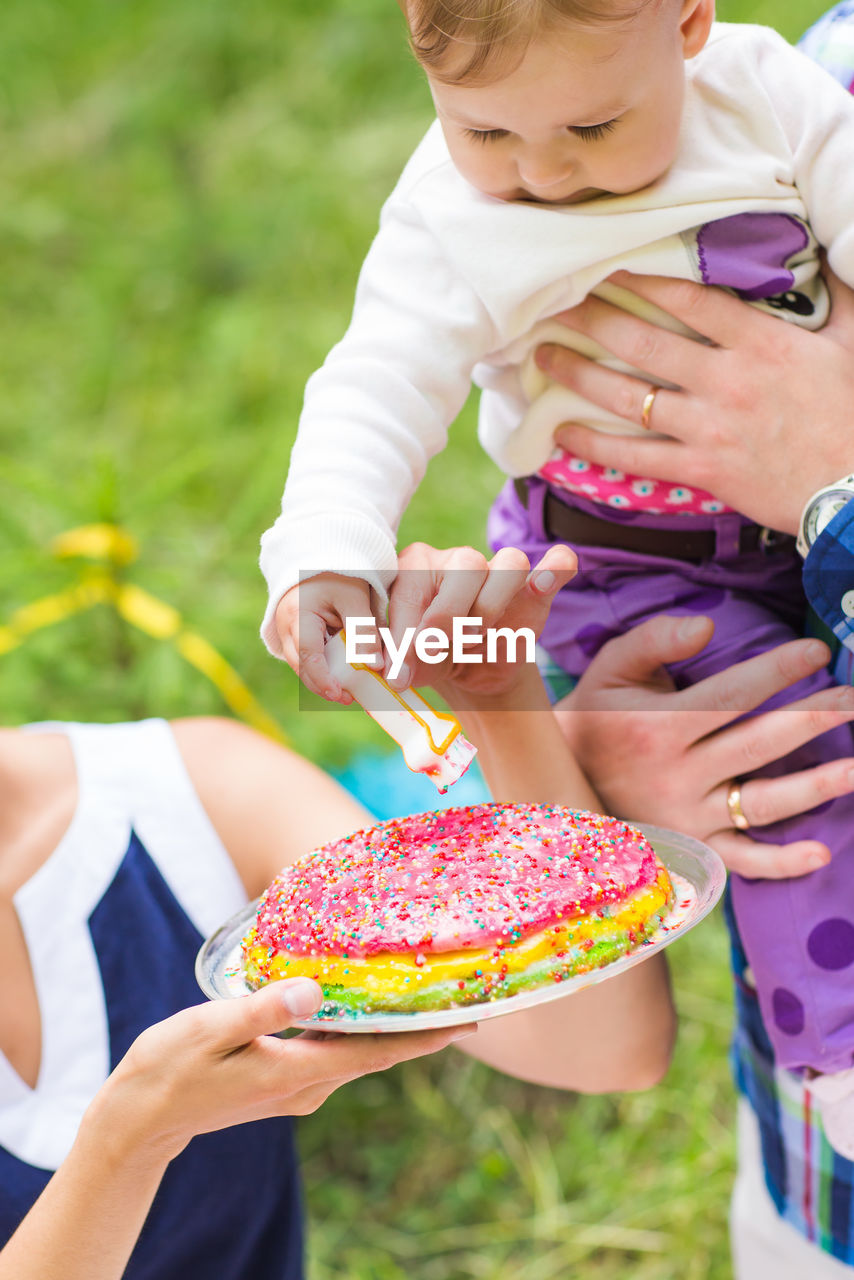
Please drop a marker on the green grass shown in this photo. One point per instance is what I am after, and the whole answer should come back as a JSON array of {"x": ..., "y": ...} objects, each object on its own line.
[
  {"x": 188, "y": 188},
  {"x": 447, "y": 1170}
]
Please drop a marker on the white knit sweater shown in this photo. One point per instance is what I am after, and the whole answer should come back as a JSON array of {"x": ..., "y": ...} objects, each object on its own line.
[{"x": 459, "y": 286}]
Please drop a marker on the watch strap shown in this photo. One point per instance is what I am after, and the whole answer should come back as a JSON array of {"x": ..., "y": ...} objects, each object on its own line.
[
  {"x": 804, "y": 540},
  {"x": 829, "y": 575}
]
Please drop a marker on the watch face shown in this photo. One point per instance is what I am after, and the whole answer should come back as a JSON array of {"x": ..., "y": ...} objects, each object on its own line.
[
  {"x": 822, "y": 512},
  {"x": 821, "y": 509}
]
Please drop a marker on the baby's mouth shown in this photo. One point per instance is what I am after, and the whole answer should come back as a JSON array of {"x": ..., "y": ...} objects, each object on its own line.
[{"x": 575, "y": 197}]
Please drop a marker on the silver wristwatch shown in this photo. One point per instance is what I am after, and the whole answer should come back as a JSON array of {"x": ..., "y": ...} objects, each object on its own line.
[{"x": 820, "y": 510}]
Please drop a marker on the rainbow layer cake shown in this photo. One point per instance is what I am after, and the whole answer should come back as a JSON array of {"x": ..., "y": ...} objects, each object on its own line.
[{"x": 459, "y": 906}]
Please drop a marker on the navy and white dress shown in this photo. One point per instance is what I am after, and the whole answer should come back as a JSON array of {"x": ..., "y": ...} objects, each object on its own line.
[{"x": 113, "y": 920}]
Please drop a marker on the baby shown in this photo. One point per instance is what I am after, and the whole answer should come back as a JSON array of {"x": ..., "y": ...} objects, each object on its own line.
[{"x": 573, "y": 141}]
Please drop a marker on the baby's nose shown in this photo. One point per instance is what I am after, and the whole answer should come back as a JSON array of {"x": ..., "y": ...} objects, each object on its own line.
[{"x": 545, "y": 167}]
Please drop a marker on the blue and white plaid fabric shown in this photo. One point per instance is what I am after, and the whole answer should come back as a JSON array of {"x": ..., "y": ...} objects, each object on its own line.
[
  {"x": 811, "y": 1185},
  {"x": 829, "y": 578}
]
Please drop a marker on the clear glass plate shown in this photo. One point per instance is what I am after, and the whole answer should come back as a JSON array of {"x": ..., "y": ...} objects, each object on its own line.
[{"x": 698, "y": 879}]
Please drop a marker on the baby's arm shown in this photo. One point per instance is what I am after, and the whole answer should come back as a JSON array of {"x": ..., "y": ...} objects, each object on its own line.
[{"x": 374, "y": 415}]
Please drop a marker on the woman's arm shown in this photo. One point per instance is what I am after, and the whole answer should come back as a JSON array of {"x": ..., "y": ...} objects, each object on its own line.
[
  {"x": 202, "y": 1069},
  {"x": 617, "y": 1034},
  {"x": 760, "y": 398},
  {"x": 268, "y": 804}
]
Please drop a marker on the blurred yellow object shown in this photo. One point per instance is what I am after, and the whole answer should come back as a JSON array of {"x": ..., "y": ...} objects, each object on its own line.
[
  {"x": 113, "y": 548},
  {"x": 43, "y": 613},
  {"x": 96, "y": 542},
  {"x": 147, "y": 613}
]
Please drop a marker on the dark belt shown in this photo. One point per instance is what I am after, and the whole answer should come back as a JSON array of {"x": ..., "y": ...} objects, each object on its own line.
[{"x": 565, "y": 523}]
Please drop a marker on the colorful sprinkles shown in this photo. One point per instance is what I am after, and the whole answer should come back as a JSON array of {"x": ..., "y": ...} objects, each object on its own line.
[{"x": 466, "y": 904}]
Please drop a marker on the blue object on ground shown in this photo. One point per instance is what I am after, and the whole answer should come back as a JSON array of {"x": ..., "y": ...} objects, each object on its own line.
[{"x": 384, "y": 785}]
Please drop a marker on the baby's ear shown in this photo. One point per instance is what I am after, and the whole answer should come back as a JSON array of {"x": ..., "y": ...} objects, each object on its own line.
[{"x": 695, "y": 24}]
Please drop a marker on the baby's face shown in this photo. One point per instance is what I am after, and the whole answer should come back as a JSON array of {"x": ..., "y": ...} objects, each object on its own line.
[{"x": 588, "y": 111}]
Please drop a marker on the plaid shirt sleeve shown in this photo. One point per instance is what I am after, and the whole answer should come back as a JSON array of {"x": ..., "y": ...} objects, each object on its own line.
[
  {"x": 811, "y": 1185},
  {"x": 829, "y": 582},
  {"x": 829, "y": 567}
]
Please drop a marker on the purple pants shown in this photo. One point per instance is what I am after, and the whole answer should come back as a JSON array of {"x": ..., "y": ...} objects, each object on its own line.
[{"x": 798, "y": 934}]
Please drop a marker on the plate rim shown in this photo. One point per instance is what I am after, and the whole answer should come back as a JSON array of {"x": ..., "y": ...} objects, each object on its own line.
[{"x": 707, "y": 898}]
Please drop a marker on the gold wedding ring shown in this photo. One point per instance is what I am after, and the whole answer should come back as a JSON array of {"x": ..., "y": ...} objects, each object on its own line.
[
  {"x": 648, "y": 402},
  {"x": 733, "y": 803}
]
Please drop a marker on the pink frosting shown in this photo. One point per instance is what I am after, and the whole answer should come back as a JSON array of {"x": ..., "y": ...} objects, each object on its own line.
[{"x": 479, "y": 876}]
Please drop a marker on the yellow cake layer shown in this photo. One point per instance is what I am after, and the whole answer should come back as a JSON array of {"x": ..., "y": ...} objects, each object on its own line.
[{"x": 393, "y": 972}]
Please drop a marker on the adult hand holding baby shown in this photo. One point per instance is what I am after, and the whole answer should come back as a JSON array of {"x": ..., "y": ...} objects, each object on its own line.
[
  {"x": 758, "y": 398},
  {"x": 659, "y": 755}
]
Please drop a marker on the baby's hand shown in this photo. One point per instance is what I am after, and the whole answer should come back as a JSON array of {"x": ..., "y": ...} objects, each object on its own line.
[{"x": 305, "y": 618}]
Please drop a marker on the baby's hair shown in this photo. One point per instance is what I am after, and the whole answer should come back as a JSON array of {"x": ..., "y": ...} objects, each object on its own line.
[{"x": 490, "y": 30}]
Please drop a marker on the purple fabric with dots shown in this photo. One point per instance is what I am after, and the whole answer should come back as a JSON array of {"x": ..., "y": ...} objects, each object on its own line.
[
  {"x": 798, "y": 934},
  {"x": 831, "y": 944},
  {"x": 788, "y": 1012}
]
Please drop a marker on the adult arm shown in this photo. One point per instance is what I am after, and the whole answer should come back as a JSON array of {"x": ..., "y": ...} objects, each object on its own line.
[
  {"x": 761, "y": 398},
  {"x": 202, "y": 1069},
  {"x": 268, "y": 804},
  {"x": 615, "y": 1035},
  {"x": 661, "y": 756}
]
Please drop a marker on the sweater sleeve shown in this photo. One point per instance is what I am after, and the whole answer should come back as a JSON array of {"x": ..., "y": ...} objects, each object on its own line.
[
  {"x": 375, "y": 413},
  {"x": 817, "y": 117}
]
